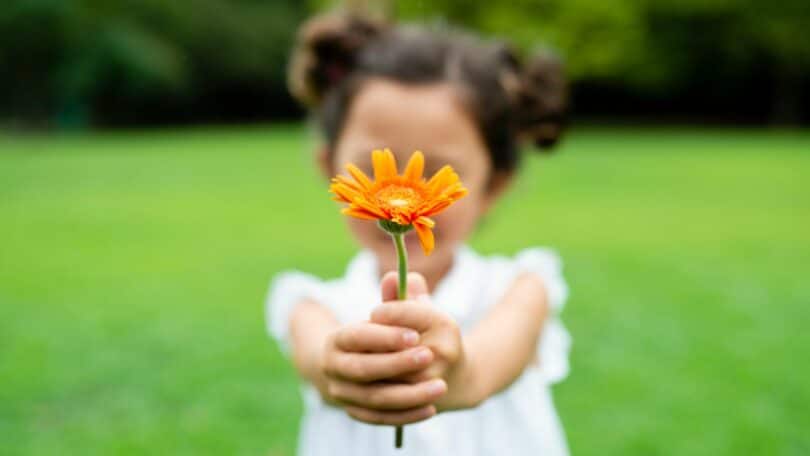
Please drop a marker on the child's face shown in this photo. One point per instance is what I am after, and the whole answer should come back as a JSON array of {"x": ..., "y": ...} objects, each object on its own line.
[{"x": 429, "y": 118}]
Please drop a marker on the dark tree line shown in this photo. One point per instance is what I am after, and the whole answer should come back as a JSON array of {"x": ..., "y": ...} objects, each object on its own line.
[{"x": 134, "y": 62}]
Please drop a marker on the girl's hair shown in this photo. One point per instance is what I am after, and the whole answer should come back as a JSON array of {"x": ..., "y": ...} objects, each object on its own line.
[{"x": 511, "y": 100}]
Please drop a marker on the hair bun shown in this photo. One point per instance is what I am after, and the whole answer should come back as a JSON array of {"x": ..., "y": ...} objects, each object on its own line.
[
  {"x": 540, "y": 99},
  {"x": 326, "y": 52}
]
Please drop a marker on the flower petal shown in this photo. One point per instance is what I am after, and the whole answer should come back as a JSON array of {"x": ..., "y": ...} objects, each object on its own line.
[
  {"x": 415, "y": 167},
  {"x": 457, "y": 194},
  {"x": 452, "y": 192},
  {"x": 443, "y": 178},
  {"x": 426, "y": 221},
  {"x": 344, "y": 192},
  {"x": 436, "y": 206},
  {"x": 358, "y": 213},
  {"x": 340, "y": 178},
  {"x": 359, "y": 176},
  {"x": 370, "y": 207},
  {"x": 385, "y": 165},
  {"x": 425, "y": 234}
]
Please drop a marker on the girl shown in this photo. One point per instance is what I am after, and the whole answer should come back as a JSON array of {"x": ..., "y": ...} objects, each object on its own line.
[{"x": 467, "y": 362}]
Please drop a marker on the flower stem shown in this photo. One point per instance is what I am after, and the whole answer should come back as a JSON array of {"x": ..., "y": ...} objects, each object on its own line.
[
  {"x": 402, "y": 290},
  {"x": 402, "y": 255}
]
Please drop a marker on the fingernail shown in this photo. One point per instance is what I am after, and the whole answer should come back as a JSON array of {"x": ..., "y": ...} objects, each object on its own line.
[
  {"x": 436, "y": 387},
  {"x": 410, "y": 337},
  {"x": 422, "y": 355},
  {"x": 423, "y": 298}
]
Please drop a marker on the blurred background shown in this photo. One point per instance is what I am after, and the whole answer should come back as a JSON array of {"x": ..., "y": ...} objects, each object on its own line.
[
  {"x": 155, "y": 174},
  {"x": 82, "y": 63}
]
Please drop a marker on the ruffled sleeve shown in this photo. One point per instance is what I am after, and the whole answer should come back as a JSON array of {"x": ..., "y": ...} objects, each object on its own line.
[
  {"x": 554, "y": 344},
  {"x": 546, "y": 263},
  {"x": 286, "y": 291}
]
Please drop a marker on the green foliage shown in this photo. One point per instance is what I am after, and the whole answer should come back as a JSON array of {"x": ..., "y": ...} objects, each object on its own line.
[
  {"x": 133, "y": 268},
  {"x": 97, "y": 56},
  {"x": 649, "y": 44},
  {"x": 69, "y": 62}
]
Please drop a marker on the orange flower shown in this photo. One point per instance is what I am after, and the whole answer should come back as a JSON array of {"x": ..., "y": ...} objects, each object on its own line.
[{"x": 407, "y": 199}]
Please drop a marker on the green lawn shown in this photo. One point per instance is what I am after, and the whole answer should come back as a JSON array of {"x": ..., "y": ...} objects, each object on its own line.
[{"x": 133, "y": 268}]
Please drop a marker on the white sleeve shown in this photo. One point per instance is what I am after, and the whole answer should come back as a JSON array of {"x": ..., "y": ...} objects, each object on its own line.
[
  {"x": 554, "y": 343},
  {"x": 286, "y": 291}
]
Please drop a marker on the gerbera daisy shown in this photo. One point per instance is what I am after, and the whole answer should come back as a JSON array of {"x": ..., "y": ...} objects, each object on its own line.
[{"x": 398, "y": 202}]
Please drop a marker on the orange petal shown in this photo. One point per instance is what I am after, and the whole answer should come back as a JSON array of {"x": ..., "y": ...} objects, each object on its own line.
[
  {"x": 436, "y": 207},
  {"x": 344, "y": 192},
  {"x": 458, "y": 194},
  {"x": 369, "y": 207},
  {"x": 385, "y": 165},
  {"x": 359, "y": 176},
  {"x": 413, "y": 171},
  {"x": 452, "y": 192},
  {"x": 423, "y": 230},
  {"x": 443, "y": 177},
  {"x": 426, "y": 221},
  {"x": 340, "y": 178},
  {"x": 358, "y": 213}
]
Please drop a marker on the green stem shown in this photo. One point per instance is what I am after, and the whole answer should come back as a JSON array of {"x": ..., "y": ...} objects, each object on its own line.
[
  {"x": 402, "y": 290},
  {"x": 402, "y": 255}
]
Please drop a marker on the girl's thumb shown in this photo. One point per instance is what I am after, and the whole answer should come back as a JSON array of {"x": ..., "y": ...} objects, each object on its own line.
[{"x": 417, "y": 287}]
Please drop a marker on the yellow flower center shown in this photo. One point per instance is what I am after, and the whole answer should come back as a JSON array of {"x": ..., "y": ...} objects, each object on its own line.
[{"x": 398, "y": 196}]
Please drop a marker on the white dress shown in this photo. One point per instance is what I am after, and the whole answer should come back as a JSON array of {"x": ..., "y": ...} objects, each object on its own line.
[{"x": 520, "y": 420}]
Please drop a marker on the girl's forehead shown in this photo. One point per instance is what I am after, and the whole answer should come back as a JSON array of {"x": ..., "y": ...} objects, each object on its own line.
[
  {"x": 405, "y": 118},
  {"x": 434, "y": 157}
]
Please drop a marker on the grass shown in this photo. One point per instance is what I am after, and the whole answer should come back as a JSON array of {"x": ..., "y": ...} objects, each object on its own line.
[{"x": 133, "y": 268}]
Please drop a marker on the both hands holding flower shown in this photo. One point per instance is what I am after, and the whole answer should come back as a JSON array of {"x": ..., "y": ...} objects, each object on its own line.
[{"x": 402, "y": 366}]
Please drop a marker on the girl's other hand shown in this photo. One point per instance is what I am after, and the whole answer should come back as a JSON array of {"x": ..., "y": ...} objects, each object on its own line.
[
  {"x": 438, "y": 331},
  {"x": 357, "y": 360}
]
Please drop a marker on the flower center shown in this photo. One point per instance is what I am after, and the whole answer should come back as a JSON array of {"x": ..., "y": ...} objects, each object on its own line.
[{"x": 397, "y": 196}]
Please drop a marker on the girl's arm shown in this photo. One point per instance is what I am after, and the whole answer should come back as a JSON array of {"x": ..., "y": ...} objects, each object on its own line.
[
  {"x": 310, "y": 326},
  {"x": 486, "y": 360},
  {"x": 504, "y": 343}
]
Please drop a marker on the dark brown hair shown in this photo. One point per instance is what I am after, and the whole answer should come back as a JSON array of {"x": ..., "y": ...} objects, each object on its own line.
[{"x": 512, "y": 101}]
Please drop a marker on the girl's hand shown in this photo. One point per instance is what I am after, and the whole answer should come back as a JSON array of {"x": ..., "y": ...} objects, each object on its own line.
[
  {"x": 357, "y": 360},
  {"x": 438, "y": 331}
]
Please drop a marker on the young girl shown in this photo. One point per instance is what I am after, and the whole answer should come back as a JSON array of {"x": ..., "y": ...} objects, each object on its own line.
[{"x": 467, "y": 361}]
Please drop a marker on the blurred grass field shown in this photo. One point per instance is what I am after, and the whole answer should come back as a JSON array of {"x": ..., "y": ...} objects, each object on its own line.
[{"x": 133, "y": 268}]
